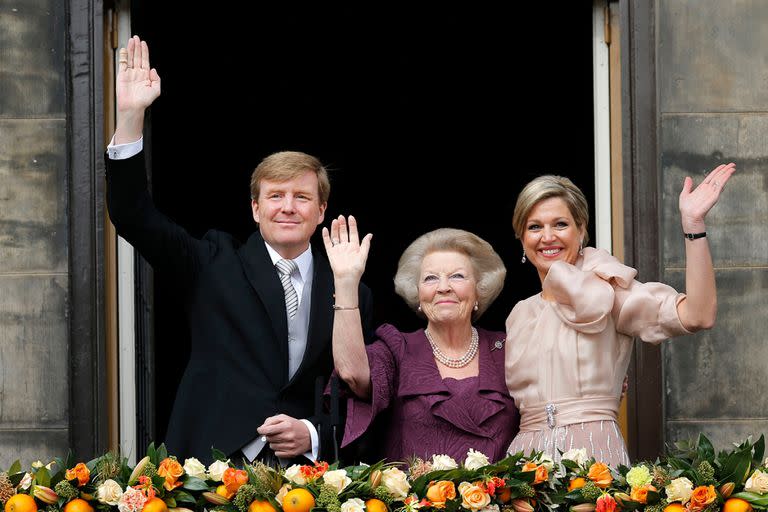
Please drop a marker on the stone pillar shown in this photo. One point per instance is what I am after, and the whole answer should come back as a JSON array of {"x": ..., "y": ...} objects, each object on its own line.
[
  {"x": 713, "y": 106},
  {"x": 34, "y": 234}
]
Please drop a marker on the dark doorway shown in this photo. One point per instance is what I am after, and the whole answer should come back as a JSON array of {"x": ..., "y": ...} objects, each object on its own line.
[{"x": 430, "y": 118}]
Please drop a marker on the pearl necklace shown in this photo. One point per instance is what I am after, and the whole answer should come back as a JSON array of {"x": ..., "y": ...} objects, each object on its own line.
[{"x": 459, "y": 362}]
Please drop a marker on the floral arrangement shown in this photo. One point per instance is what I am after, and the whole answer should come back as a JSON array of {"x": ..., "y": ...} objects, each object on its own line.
[{"x": 691, "y": 478}]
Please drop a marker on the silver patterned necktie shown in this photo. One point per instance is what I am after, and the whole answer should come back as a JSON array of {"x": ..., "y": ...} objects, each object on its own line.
[{"x": 285, "y": 268}]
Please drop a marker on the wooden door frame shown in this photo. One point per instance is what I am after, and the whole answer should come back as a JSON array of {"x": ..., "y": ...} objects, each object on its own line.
[{"x": 640, "y": 161}]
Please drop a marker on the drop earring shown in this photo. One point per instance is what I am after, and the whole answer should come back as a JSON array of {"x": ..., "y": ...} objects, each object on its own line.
[
  {"x": 476, "y": 306},
  {"x": 581, "y": 248},
  {"x": 419, "y": 309},
  {"x": 523, "y": 259}
]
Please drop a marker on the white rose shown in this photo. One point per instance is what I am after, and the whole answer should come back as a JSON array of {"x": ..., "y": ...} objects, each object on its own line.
[
  {"x": 25, "y": 482},
  {"x": 679, "y": 489},
  {"x": 475, "y": 460},
  {"x": 281, "y": 493},
  {"x": 396, "y": 482},
  {"x": 337, "y": 479},
  {"x": 216, "y": 470},
  {"x": 757, "y": 483},
  {"x": 294, "y": 475},
  {"x": 545, "y": 460},
  {"x": 577, "y": 455},
  {"x": 195, "y": 468},
  {"x": 353, "y": 505},
  {"x": 109, "y": 493},
  {"x": 443, "y": 462}
]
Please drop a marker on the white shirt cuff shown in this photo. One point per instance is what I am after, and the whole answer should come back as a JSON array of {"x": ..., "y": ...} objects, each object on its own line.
[
  {"x": 312, "y": 455},
  {"x": 123, "y": 151}
]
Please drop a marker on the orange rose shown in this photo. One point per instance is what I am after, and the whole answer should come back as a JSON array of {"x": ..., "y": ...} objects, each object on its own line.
[
  {"x": 640, "y": 494},
  {"x": 702, "y": 496},
  {"x": 171, "y": 470},
  {"x": 233, "y": 479},
  {"x": 541, "y": 472},
  {"x": 79, "y": 472},
  {"x": 600, "y": 474},
  {"x": 473, "y": 496},
  {"x": 440, "y": 492}
]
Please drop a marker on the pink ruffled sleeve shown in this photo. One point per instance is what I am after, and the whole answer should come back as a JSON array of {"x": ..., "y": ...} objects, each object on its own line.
[
  {"x": 599, "y": 287},
  {"x": 382, "y": 360},
  {"x": 649, "y": 311}
]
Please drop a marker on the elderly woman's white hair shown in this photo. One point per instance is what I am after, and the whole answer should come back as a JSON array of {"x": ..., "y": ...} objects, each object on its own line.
[{"x": 486, "y": 263}]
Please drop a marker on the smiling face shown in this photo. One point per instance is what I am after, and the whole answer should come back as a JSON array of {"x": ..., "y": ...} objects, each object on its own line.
[
  {"x": 551, "y": 234},
  {"x": 288, "y": 213},
  {"x": 447, "y": 287}
]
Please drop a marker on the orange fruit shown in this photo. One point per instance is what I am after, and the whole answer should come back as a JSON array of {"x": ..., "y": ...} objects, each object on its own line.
[
  {"x": 261, "y": 506},
  {"x": 576, "y": 483},
  {"x": 375, "y": 505},
  {"x": 674, "y": 507},
  {"x": 222, "y": 491},
  {"x": 505, "y": 495},
  {"x": 78, "y": 505},
  {"x": 298, "y": 500},
  {"x": 736, "y": 505},
  {"x": 21, "y": 503},
  {"x": 155, "y": 505}
]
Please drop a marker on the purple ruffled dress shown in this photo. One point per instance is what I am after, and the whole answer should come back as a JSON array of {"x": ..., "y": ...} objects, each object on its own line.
[{"x": 428, "y": 414}]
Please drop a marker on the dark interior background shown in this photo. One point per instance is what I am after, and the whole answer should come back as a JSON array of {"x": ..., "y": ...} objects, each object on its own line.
[{"x": 429, "y": 117}]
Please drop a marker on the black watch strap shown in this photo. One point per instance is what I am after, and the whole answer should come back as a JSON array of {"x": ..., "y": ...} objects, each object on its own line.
[{"x": 694, "y": 236}]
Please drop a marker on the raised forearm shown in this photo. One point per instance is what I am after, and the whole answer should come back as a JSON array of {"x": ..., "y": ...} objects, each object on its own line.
[
  {"x": 699, "y": 309},
  {"x": 349, "y": 355}
]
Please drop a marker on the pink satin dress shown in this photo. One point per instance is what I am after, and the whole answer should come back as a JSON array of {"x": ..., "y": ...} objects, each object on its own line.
[{"x": 566, "y": 359}]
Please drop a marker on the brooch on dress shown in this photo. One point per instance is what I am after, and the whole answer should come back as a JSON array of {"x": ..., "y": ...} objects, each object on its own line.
[{"x": 497, "y": 345}]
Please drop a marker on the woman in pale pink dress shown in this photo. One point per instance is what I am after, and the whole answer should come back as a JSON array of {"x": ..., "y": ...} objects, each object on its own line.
[{"x": 568, "y": 347}]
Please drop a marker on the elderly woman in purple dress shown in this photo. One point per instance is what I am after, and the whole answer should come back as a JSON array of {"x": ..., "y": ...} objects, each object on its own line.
[{"x": 443, "y": 386}]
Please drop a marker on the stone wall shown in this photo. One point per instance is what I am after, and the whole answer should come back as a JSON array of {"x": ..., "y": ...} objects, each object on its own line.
[
  {"x": 34, "y": 237},
  {"x": 712, "y": 65}
]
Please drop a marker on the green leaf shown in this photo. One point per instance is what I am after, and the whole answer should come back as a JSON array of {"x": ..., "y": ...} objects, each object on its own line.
[
  {"x": 218, "y": 454},
  {"x": 704, "y": 448},
  {"x": 169, "y": 501},
  {"x": 736, "y": 466},
  {"x": 184, "y": 497},
  {"x": 152, "y": 453},
  {"x": 16, "y": 478},
  {"x": 15, "y": 467},
  {"x": 162, "y": 453},
  {"x": 759, "y": 448},
  {"x": 43, "y": 477},
  {"x": 192, "y": 483},
  {"x": 761, "y": 500}
]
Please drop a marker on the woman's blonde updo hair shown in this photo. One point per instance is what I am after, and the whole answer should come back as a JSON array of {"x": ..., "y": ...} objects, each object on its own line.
[
  {"x": 546, "y": 187},
  {"x": 486, "y": 263}
]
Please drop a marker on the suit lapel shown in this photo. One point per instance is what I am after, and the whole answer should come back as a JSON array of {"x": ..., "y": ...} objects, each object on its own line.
[{"x": 262, "y": 275}]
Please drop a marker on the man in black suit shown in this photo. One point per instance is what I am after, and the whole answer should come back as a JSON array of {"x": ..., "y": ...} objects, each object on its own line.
[{"x": 260, "y": 313}]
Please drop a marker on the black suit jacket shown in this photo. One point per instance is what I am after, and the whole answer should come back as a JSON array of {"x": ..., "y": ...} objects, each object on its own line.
[{"x": 237, "y": 373}]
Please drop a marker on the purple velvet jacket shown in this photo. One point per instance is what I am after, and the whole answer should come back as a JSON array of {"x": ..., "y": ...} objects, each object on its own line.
[{"x": 428, "y": 414}]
